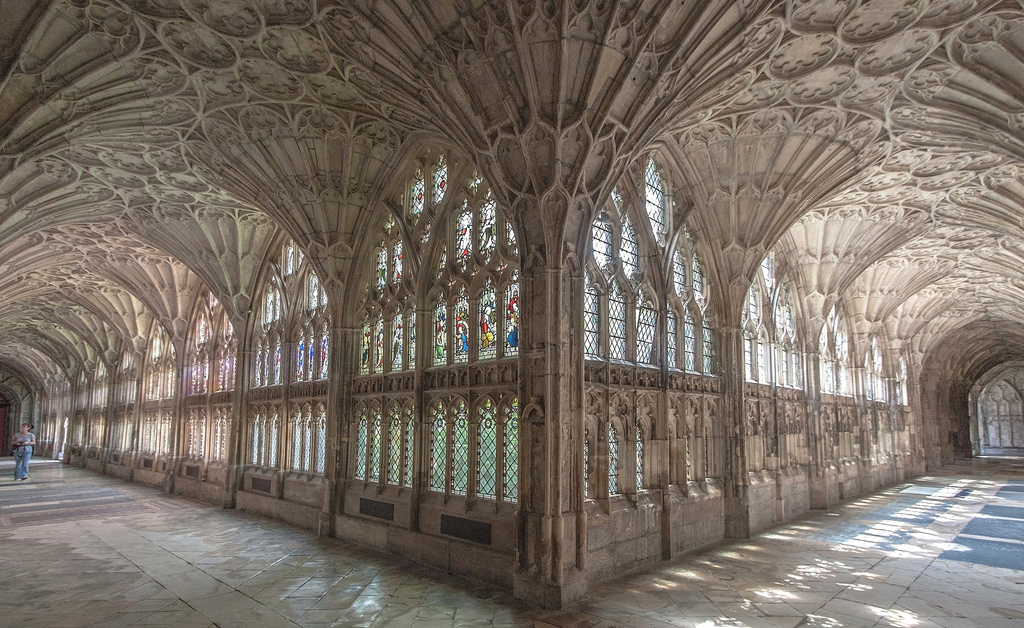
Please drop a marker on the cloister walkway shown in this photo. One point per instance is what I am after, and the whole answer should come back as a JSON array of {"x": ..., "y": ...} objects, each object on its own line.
[{"x": 81, "y": 549}]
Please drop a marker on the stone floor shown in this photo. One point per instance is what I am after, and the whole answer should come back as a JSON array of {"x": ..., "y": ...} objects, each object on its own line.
[{"x": 81, "y": 549}]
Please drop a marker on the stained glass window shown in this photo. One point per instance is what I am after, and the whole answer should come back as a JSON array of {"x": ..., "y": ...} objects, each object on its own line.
[
  {"x": 361, "y": 447},
  {"x": 510, "y": 239},
  {"x": 461, "y": 330},
  {"x": 655, "y": 197},
  {"x": 628, "y": 251},
  {"x": 382, "y": 267},
  {"x": 639, "y": 458},
  {"x": 487, "y": 451},
  {"x": 591, "y": 320},
  {"x": 396, "y": 342},
  {"x": 440, "y": 179},
  {"x": 289, "y": 259},
  {"x": 645, "y": 324},
  {"x": 460, "y": 449},
  {"x": 697, "y": 279},
  {"x": 325, "y": 350},
  {"x": 670, "y": 333},
  {"x": 395, "y": 448},
  {"x": 438, "y": 449},
  {"x": 762, "y": 370},
  {"x": 378, "y": 335},
  {"x": 488, "y": 235},
  {"x": 512, "y": 316},
  {"x": 409, "y": 449},
  {"x": 768, "y": 272},
  {"x": 601, "y": 241},
  {"x": 364, "y": 360},
  {"x": 464, "y": 237},
  {"x": 418, "y": 187},
  {"x": 488, "y": 322},
  {"x": 412, "y": 339},
  {"x": 396, "y": 263},
  {"x": 613, "y": 460},
  {"x": 510, "y": 473},
  {"x": 374, "y": 470},
  {"x": 300, "y": 355},
  {"x": 689, "y": 344},
  {"x": 617, "y": 323},
  {"x": 440, "y": 332},
  {"x": 277, "y": 362}
]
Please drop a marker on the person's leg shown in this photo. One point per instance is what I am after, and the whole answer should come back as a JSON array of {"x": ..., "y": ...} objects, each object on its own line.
[
  {"x": 24, "y": 462},
  {"x": 17, "y": 464}
]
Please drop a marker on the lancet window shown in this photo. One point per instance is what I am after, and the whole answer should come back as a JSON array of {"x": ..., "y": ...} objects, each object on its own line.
[
  {"x": 264, "y": 437},
  {"x": 269, "y": 338},
  {"x": 127, "y": 378},
  {"x": 200, "y": 349},
  {"x": 311, "y": 340},
  {"x": 389, "y": 327},
  {"x": 901, "y": 383},
  {"x": 308, "y": 443},
  {"x": 873, "y": 372},
  {"x": 100, "y": 385}
]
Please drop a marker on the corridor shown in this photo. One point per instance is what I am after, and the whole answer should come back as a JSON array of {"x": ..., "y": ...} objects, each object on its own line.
[{"x": 82, "y": 549}]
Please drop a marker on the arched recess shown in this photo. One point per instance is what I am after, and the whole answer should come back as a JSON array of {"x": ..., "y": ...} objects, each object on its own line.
[{"x": 997, "y": 412}]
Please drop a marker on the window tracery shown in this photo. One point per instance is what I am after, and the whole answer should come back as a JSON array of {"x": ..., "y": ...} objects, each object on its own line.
[{"x": 771, "y": 347}]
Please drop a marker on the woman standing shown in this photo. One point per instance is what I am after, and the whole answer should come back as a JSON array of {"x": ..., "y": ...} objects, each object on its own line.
[{"x": 23, "y": 443}]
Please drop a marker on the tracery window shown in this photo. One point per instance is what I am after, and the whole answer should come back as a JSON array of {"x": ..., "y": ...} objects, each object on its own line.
[
  {"x": 640, "y": 484},
  {"x": 389, "y": 328},
  {"x": 770, "y": 347},
  {"x": 613, "y": 461},
  {"x": 901, "y": 383},
  {"x": 687, "y": 301},
  {"x": 269, "y": 337},
  {"x": 197, "y": 368},
  {"x": 100, "y": 384},
  {"x": 312, "y": 330},
  {"x": 834, "y": 356},
  {"x": 160, "y": 365},
  {"x": 127, "y": 378},
  {"x": 195, "y": 431},
  {"x": 876, "y": 389}
]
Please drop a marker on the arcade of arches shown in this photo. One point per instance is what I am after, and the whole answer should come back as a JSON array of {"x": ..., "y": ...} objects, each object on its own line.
[{"x": 533, "y": 292}]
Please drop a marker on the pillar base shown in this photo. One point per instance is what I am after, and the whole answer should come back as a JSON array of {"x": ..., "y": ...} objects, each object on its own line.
[{"x": 528, "y": 586}]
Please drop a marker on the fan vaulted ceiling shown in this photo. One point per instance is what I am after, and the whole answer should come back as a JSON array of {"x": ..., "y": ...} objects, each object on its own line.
[{"x": 151, "y": 147}]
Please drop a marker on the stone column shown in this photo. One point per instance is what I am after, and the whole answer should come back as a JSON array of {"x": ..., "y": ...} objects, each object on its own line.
[
  {"x": 736, "y": 483},
  {"x": 341, "y": 368},
  {"x": 550, "y": 523}
]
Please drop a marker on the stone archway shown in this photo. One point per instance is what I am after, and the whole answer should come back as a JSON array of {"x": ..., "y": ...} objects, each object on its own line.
[{"x": 997, "y": 408}]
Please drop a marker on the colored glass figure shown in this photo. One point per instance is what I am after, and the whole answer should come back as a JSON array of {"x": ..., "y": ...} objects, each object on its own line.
[
  {"x": 591, "y": 320},
  {"x": 639, "y": 458},
  {"x": 488, "y": 322},
  {"x": 396, "y": 262},
  {"x": 289, "y": 259},
  {"x": 461, "y": 352},
  {"x": 382, "y": 268},
  {"x": 418, "y": 187},
  {"x": 396, "y": 343},
  {"x": 321, "y": 441},
  {"x": 670, "y": 336},
  {"x": 412, "y": 339},
  {"x": 460, "y": 449},
  {"x": 364, "y": 362},
  {"x": 440, "y": 332},
  {"x": 475, "y": 182},
  {"x": 617, "y": 323},
  {"x": 586, "y": 462},
  {"x": 438, "y": 449},
  {"x": 486, "y": 451},
  {"x": 601, "y": 242},
  {"x": 394, "y": 448},
  {"x": 679, "y": 272},
  {"x": 463, "y": 238},
  {"x": 440, "y": 179},
  {"x": 277, "y": 362},
  {"x": 613, "y": 461},
  {"x": 378, "y": 363},
  {"x": 655, "y": 197},
  {"x": 409, "y": 449},
  {"x": 708, "y": 353},
  {"x": 374, "y": 471},
  {"x": 510, "y": 448},
  {"x": 645, "y": 322},
  {"x": 510, "y": 239},
  {"x": 689, "y": 344},
  {"x": 426, "y": 233},
  {"x": 325, "y": 350},
  {"x": 488, "y": 237},
  {"x": 628, "y": 251},
  {"x": 512, "y": 316},
  {"x": 300, "y": 356},
  {"x": 361, "y": 448},
  {"x": 310, "y": 356},
  {"x": 259, "y": 371}
]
